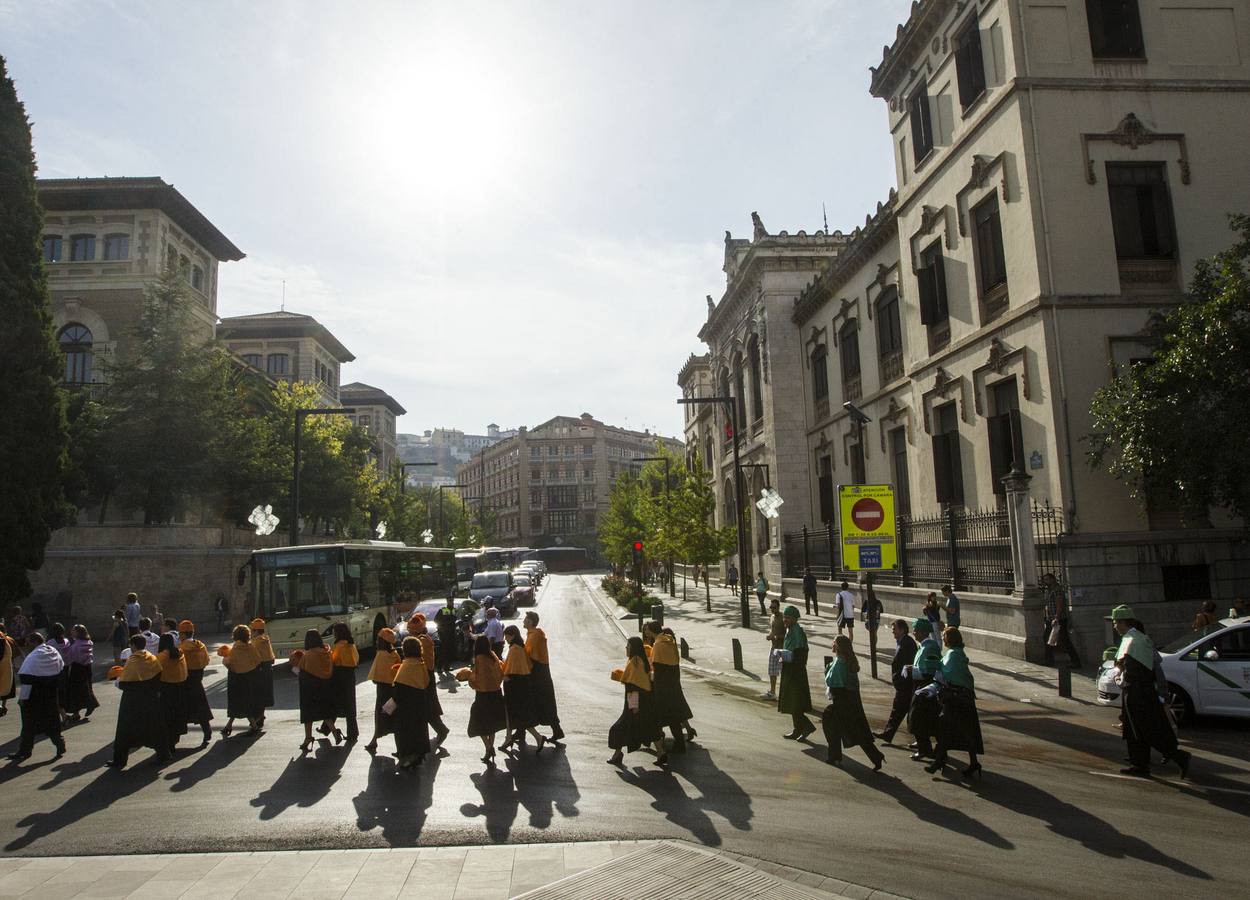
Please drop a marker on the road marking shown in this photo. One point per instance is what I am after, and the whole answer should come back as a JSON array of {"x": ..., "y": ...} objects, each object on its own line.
[{"x": 1199, "y": 788}]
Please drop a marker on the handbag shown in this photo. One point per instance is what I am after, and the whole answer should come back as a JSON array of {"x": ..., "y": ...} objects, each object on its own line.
[
  {"x": 390, "y": 706},
  {"x": 631, "y": 700}
]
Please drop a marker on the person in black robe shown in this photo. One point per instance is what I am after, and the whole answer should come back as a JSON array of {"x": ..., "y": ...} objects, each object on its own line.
[
  {"x": 316, "y": 687},
  {"x": 80, "y": 701},
  {"x": 140, "y": 718},
  {"x": 410, "y": 720},
  {"x": 386, "y": 659},
  {"x": 671, "y": 709},
  {"x": 904, "y": 688},
  {"x": 1146, "y": 724},
  {"x": 635, "y": 727},
  {"x": 518, "y": 694},
  {"x": 546, "y": 712},
  {"x": 39, "y": 681},
  {"x": 346, "y": 658},
  {"x": 173, "y": 688},
  {"x": 198, "y": 710}
]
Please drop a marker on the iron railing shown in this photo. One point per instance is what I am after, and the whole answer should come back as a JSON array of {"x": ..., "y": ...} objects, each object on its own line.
[{"x": 969, "y": 549}]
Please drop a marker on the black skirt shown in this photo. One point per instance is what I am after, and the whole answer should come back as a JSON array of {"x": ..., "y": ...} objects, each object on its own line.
[
  {"x": 959, "y": 728},
  {"x": 543, "y": 692},
  {"x": 634, "y": 729},
  {"x": 316, "y": 698},
  {"x": 847, "y": 710},
  {"x": 381, "y": 721},
  {"x": 141, "y": 718},
  {"x": 488, "y": 714},
  {"x": 243, "y": 695},
  {"x": 174, "y": 709},
  {"x": 40, "y": 713},
  {"x": 265, "y": 682},
  {"x": 435, "y": 707},
  {"x": 518, "y": 698},
  {"x": 79, "y": 695},
  {"x": 922, "y": 718},
  {"x": 1144, "y": 718},
  {"x": 671, "y": 708},
  {"x": 198, "y": 712},
  {"x": 410, "y": 721},
  {"x": 343, "y": 683}
]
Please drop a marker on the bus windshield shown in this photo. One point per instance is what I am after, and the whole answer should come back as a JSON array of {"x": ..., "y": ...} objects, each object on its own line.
[{"x": 300, "y": 583}]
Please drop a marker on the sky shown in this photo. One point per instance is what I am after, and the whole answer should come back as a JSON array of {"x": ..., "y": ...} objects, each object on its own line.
[{"x": 507, "y": 211}]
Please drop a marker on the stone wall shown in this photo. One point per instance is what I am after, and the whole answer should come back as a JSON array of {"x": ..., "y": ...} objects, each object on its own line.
[{"x": 89, "y": 569}]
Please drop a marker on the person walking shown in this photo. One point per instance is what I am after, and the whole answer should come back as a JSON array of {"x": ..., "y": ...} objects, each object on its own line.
[
  {"x": 120, "y": 636},
  {"x": 635, "y": 727},
  {"x": 445, "y": 623},
  {"x": 844, "y": 722},
  {"x": 844, "y": 602},
  {"x": 346, "y": 658},
  {"x": 488, "y": 715},
  {"x": 952, "y": 607},
  {"x": 8, "y": 675},
  {"x": 409, "y": 704},
  {"x": 904, "y": 655},
  {"x": 732, "y": 578},
  {"x": 795, "y": 696},
  {"x": 38, "y": 683},
  {"x": 545, "y": 710},
  {"x": 140, "y": 718},
  {"x": 434, "y": 709},
  {"x": 264, "y": 672},
  {"x": 761, "y": 591},
  {"x": 133, "y": 613},
  {"x": 671, "y": 709},
  {"x": 382, "y": 673},
  {"x": 173, "y": 690},
  {"x": 1206, "y": 616},
  {"x": 1145, "y": 722},
  {"x": 494, "y": 631},
  {"x": 958, "y": 725},
  {"x": 811, "y": 604},
  {"x": 198, "y": 711},
  {"x": 518, "y": 695},
  {"x": 243, "y": 691},
  {"x": 1057, "y": 614},
  {"x": 80, "y": 701},
  {"x": 57, "y": 639},
  {"x": 220, "y": 608},
  {"x": 933, "y": 612},
  {"x": 315, "y": 668},
  {"x": 776, "y": 638},
  {"x": 922, "y": 719}
]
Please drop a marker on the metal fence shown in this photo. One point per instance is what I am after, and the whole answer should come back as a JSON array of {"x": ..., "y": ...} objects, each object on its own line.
[{"x": 969, "y": 549}]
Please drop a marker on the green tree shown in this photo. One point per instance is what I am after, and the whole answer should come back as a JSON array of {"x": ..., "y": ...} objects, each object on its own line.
[
  {"x": 703, "y": 544},
  {"x": 33, "y": 442},
  {"x": 1176, "y": 427},
  {"x": 658, "y": 506},
  {"x": 622, "y": 523}
]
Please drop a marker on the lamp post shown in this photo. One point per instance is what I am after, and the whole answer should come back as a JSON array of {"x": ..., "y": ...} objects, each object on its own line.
[
  {"x": 672, "y": 583},
  {"x": 300, "y": 415},
  {"x": 742, "y": 555},
  {"x": 860, "y": 418}
]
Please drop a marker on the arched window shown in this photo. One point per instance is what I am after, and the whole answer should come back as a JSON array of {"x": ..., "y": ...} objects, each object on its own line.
[
  {"x": 197, "y": 278},
  {"x": 255, "y": 360},
  {"x": 757, "y": 383},
  {"x": 820, "y": 374},
  {"x": 740, "y": 391},
  {"x": 75, "y": 342},
  {"x": 277, "y": 364},
  {"x": 707, "y": 452}
]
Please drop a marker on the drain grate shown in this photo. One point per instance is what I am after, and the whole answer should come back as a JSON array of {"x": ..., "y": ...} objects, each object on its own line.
[{"x": 670, "y": 870}]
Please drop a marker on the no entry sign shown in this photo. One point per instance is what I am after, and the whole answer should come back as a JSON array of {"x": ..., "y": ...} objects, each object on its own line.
[{"x": 866, "y": 516}]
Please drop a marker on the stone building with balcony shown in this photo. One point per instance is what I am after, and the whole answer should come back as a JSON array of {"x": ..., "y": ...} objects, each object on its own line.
[
  {"x": 549, "y": 484},
  {"x": 106, "y": 240},
  {"x": 288, "y": 346}
]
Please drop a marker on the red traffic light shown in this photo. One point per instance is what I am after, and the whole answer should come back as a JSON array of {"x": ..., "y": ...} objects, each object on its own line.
[{"x": 638, "y": 545}]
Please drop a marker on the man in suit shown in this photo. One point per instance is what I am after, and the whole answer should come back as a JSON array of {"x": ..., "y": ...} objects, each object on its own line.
[{"x": 904, "y": 654}]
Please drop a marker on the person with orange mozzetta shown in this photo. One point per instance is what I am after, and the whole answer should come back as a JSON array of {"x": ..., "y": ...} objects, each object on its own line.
[
  {"x": 518, "y": 695},
  {"x": 140, "y": 718},
  {"x": 173, "y": 688},
  {"x": 243, "y": 692},
  {"x": 382, "y": 674},
  {"x": 410, "y": 699},
  {"x": 198, "y": 712},
  {"x": 543, "y": 688},
  {"x": 417, "y": 628},
  {"x": 315, "y": 666},
  {"x": 346, "y": 658},
  {"x": 264, "y": 678},
  {"x": 488, "y": 714},
  {"x": 635, "y": 727}
]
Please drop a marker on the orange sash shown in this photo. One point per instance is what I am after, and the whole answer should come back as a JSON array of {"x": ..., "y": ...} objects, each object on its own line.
[
  {"x": 173, "y": 671},
  {"x": 345, "y": 655},
  {"x": 141, "y": 666},
  {"x": 413, "y": 673},
  {"x": 536, "y": 646},
  {"x": 243, "y": 658},
  {"x": 517, "y": 662},
  {"x": 383, "y": 669},
  {"x": 487, "y": 674},
  {"x": 317, "y": 662},
  {"x": 195, "y": 653}
]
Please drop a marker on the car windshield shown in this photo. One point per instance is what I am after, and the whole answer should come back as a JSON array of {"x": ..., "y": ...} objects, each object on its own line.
[
  {"x": 1186, "y": 639},
  {"x": 522, "y": 581},
  {"x": 489, "y": 580}
]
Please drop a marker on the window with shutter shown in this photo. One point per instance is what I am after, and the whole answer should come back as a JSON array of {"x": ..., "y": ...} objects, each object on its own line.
[
  {"x": 932, "y": 280},
  {"x": 1115, "y": 29},
  {"x": 824, "y": 466},
  {"x": 921, "y": 123},
  {"x": 969, "y": 64}
]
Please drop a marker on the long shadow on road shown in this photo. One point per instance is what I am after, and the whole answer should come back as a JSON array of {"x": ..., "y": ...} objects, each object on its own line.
[
  {"x": 934, "y": 813},
  {"x": 395, "y": 801},
  {"x": 304, "y": 782},
  {"x": 213, "y": 760}
]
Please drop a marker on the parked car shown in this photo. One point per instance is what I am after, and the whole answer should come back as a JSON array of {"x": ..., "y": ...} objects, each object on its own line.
[
  {"x": 1208, "y": 672},
  {"x": 494, "y": 588},
  {"x": 533, "y": 569},
  {"x": 522, "y": 589}
]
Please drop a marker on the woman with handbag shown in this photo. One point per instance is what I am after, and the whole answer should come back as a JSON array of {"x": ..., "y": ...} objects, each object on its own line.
[
  {"x": 844, "y": 721},
  {"x": 959, "y": 728},
  {"x": 635, "y": 727}
]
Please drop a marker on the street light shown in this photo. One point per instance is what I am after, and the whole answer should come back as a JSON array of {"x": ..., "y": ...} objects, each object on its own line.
[
  {"x": 742, "y": 553},
  {"x": 300, "y": 415},
  {"x": 860, "y": 418},
  {"x": 403, "y": 477},
  {"x": 672, "y": 582}
]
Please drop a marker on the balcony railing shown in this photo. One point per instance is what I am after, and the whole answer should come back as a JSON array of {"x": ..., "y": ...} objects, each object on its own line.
[
  {"x": 852, "y": 388},
  {"x": 891, "y": 366}
]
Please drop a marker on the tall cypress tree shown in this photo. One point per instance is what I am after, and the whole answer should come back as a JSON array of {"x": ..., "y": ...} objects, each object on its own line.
[{"x": 33, "y": 443}]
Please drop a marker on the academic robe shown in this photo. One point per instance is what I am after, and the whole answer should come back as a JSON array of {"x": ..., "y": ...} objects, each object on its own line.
[
  {"x": 634, "y": 728},
  {"x": 411, "y": 719},
  {"x": 428, "y": 657},
  {"x": 40, "y": 712},
  {"x": 173, "y": 695},
  {"x": 1145, "y": 722},
  {"x": 244, "y": 699},
  {"x": 382, "y": 674},
  {"x": 7, "y": 681},
  {"x": 959, "y": 727},
  {"x": 79, "y": 694},
  {"x": 795, "y": 695},
  {"x": 140, "y": 716},
  {"x": 922, "y": 718},
  {"x": 316, "y": 688},
  {"x": 543, "y": 688},
  {"x": 345, "y": 657},
  {"x": 488, "y": 714},
  {"x": 198, "y": 711},
  {"x": 671, "y": 708},
  {"x": 517, "y": 688},
  {"x": 844, "y": 722},
  {"x": 264, "y": 678}
]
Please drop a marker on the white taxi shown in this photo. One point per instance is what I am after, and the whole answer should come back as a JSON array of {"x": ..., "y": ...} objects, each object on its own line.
[{"x": 1208, "y": 672}]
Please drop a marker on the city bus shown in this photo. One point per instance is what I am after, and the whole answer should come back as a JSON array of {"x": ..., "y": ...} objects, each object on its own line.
[
  {"x": 468, "y": 564},
  {"x": 366, "y": 584},
  {"x": 562, "y": 559}
]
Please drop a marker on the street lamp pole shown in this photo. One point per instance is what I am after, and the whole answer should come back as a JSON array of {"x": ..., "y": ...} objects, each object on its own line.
[
  {"x": 300, "y": 415},
  {"x": 668, "y": 509},
  {"x": 441, "y": 488},
  {"x": 742, "y": 554}
]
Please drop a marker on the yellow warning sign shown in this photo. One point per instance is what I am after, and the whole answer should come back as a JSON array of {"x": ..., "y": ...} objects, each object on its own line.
[{"x": 869, "y": 534}]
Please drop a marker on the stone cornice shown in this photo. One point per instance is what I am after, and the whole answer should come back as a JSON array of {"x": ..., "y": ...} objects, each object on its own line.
[
  {"x": 863, "y": 243},
  {"x": 910, "y": 41},
  {"x": 694, "y": 362}
]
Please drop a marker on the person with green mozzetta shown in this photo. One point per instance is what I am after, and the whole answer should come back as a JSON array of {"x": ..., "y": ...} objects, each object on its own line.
[
  {"x": 922, "y": 719},
  {"x": 794, "y": 696},
  {"x": 1145, "y": 722},
  {"x": 958, "y": 725}
]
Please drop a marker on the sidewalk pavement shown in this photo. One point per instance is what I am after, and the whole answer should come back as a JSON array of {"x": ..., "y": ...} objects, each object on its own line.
[{"x": 606, "y": 869}]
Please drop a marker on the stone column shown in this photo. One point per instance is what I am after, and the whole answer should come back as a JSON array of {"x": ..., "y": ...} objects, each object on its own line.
[{"x": 1024, "y": 563}]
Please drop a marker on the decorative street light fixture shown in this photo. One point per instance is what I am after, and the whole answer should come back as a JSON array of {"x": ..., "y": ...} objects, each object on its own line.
[{"x": 300, "y": 415}]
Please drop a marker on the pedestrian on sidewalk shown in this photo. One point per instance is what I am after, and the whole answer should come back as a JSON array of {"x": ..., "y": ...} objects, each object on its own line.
[
  {"x": 844, "y": 602},
  {"x": 314, "y": 666},
  {"x": 59, "y": 642},
  {"x": 844, "y": 722},
  {"x": 952, "y": 607},
  {"x": 904, "y": 655},
  {"x": 933, "y": 612},
  {"x": 776, "y": 638},
  {"x": 409, "y": 704},
  {"x": 922, "y": 719},
  {"x": 671, "y": 709},
  {"x": 133, "y": 613},
  {"x": 80, "y": 701},
  {"x": 382, "y": 674},
  {"x": 1142, "y": 706},
  {"x": 264, "y": 650},
  {"x": 958, "y": 725},
  {"x": 244, "y": 699},
  {"x": 140, "y": 718},
  {"x": 635, "y": 727},
  {"x": 1057, "y": 613},
  {"x": 346, "y": 657},
  {"x": 173, "y": 689},
  {"x": 545, "y": 710},
  {"x": 795, "y": 697},
  {"x": 810, "y": 603},
  {"x": 761, "y": 591},
  {"x": 219, "y": 607},
  {"x": 38, "y": 680},
  {"x": 196, "y": 654},
  {"x": 120, "y": 636},
  {"x": 488, "y": 715},
  {"x": 1206, "y": 616},
  {"x": 732, "y": 578}
]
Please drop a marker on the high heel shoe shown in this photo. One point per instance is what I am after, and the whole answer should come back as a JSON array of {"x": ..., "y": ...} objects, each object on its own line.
[
  {"x": 974, "y": 769},
  {"x": 225, "y": 732},
  {"x": 691, "y": 734},
  {"x": 338, "y": 736},
  {"x": 306, "y": 746},
  {"x": 325, "y": 729},
  {"x": 542, "y": 742},
  {"x": 662, "y": 759},
  {"x": 616, "y": 758},
  {"x": 371, "y": 747},
  {"x": 937, "y": 763}
]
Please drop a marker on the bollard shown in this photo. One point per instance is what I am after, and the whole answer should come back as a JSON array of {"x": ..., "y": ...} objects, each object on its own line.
[
  {"x": 641, "y": 619},
  {"x": 1064, "y": 666},
  {"x": 872, "y": 650},
  {"x": 737, "y": 646},
  {"x": 685, "y": 649}
]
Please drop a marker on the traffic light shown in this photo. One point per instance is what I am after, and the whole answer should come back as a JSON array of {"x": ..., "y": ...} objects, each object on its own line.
[{"x": 638, "y": 573}]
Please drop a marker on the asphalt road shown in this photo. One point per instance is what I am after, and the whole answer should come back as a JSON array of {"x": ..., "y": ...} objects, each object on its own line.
[{"x": 1049, "y": 817}]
